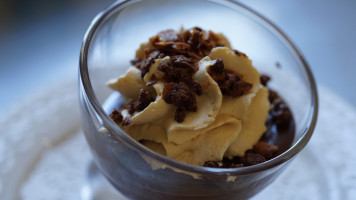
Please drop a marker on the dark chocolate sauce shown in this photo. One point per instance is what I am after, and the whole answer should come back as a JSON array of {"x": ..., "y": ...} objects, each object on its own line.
[{"x": 281, "y": 137}]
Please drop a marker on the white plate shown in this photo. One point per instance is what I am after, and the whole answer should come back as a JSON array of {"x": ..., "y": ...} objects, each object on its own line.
[{"x": 43, "y": 154}]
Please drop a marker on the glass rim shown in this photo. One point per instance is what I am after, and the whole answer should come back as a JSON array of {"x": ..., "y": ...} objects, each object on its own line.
[{"x": 114, "y": 129}]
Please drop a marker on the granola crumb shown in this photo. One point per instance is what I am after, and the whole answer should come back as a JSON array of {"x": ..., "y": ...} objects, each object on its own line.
[
  {"x": 116, "y": 116},
  {"x": 265, "y": 149},
  {"x": 144, "y": 99},
  {"x": 230, "y": 84},
  {"x": 252, "y": 159},
  {"x": 179, "y": 95},
  {"x": 145, "y": 65},
  {"x": 264, "y": 79},
  {"x": 239, "y": 53}
]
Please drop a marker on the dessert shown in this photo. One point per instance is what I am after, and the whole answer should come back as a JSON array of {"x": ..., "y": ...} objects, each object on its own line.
[{"x": 192, "y": 98}]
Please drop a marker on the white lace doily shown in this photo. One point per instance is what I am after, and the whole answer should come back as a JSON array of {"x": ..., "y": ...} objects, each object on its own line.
[{"x": 43, "y": 154}]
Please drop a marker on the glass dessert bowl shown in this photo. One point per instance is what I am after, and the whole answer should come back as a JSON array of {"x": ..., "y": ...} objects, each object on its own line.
[{"x": 140, "y": 173}]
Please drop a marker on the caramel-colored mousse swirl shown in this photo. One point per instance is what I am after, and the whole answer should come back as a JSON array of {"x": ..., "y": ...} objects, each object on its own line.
[{"x": 192, "y": 98}]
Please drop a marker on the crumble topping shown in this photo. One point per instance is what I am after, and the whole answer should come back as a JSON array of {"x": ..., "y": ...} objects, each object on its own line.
[
  {"x": 144, "y": 99},
  {"x": 192, "y": 44},
  {"x": 185, "y": 75},
  {"x": 230, "y": 84},
  {"x": 185, "y": 49},
  {"x": 116, "y": 116},
  {"x": 181, "y": 96}
]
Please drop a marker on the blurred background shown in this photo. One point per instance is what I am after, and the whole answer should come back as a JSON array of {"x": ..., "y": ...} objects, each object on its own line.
[{"x": 40, "y": 41}]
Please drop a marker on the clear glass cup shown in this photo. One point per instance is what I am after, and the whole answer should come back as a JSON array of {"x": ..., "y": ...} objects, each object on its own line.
[{"x": 140, "y": 173}]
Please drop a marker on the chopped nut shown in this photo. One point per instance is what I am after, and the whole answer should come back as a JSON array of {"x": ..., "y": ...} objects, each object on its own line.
[
  {"x": 267, "y": 150},
  {"x": 145, "y": 66},
  {"x": 281, "y": 113},
  {"x": 136, "y": 62},
  {"x": 230, "y": 84},
  {"x": 264, "y": 79},
  {"x": 235, "y": 86},
  {"x": 172, "y": 74},
  {"x": 239, "y": 53},
  {"x": 179, "y": 95},
  {"x": 183, "y": 62},
  {"x": 144, "y": 99},
  {"x": 116, "y": 116},
  {"x": 197, "y": 88},
  {"x": 130, "y": 107},
  {"x": 253, "y": 159},
  {"x": 218, "y": 67},
  {"x": 272, "y": 95},
  {"x": 194, "y": 39}
]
